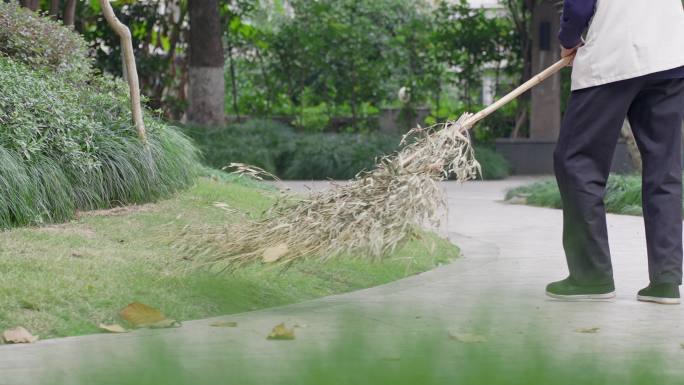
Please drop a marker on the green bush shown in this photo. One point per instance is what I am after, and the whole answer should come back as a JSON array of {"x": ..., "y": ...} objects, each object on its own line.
[
  {"x": 261, "y": 143},
  {"x": 336, "y": 156},
  {"x": 42, "y": 43},
  {"x": 542, "y": 194},
  {"x": 623, "y": 194},
  {"x": 67, "y": 147},
  {"x": 494, "y": 165},
  {"x": 276, "y": 148}
]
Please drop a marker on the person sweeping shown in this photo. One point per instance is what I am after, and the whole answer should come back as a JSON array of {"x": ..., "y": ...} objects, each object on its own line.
[{"x": 630, "y": 66}]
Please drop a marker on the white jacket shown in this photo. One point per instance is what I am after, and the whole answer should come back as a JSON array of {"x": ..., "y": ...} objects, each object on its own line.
[{"x": 628, "y": 39}]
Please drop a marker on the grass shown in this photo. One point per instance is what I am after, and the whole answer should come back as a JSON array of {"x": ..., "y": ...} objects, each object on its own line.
[
  {"x": 63, "y": 280},
  {"x": 362, "y": 355},
  {"x": 67, "y": 141},
  {"x": 623, "y": 194}
]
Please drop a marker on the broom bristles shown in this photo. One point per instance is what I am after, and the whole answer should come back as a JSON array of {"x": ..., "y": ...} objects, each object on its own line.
[{"x": 368, "y": 217}]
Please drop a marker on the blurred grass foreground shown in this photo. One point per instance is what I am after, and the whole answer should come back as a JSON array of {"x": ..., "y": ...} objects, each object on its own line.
[{"x": 360, "y": 355}]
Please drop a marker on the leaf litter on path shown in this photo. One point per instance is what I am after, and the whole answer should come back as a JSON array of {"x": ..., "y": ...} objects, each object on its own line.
[
  {"x": 593, "y": 330},
  {"x": 467, "y": 338},
  {"x": 224, "y": 324},
  {"x": 281, "y": 332},
  {"x": 18, "y": 335},
  {"x": 144, "y": 316},
  {"x": 113, "y": 328}
]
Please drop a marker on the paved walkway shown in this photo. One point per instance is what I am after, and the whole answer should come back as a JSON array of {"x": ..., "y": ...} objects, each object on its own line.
[{"x": 509, "y": 254}]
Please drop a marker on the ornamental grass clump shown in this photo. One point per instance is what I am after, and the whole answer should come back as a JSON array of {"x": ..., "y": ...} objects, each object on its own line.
[
  {"x": 369, "y": 216},
  {"x": 67, "y": 141}
]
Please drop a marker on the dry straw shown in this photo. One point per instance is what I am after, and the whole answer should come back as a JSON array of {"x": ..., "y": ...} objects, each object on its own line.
[{"x": 369, "y": 216}]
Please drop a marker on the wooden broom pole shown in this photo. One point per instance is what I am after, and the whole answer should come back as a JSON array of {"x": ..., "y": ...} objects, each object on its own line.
[
  {"x": 528, "y": 85},
  {"x": 130, "y": 69}
]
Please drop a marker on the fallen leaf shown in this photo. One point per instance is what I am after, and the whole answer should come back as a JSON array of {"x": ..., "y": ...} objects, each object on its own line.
[
  {"x": 273, "y": 254},
  {"x": 114, "y": 328},
  {"x": 224, "y": 206},
  {"x": 300, "y": 326},
  {"x": 682, "y": 345},
  {"x": 224, "y": 324},
  {"x": 18, "y": 335},
  {"x": 467, "y": 338},
  {"x": 281, "y": 332},
  {"x": 588, "y": 330},
  {"x": 141, "y": 315},
  {"x": 518, "y": 200},
  {"x": 164, "y": 324},
  {"x": 28, "y": 305}
]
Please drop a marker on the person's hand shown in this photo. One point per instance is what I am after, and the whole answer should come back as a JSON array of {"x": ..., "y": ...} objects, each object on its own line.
[{"x": 565, "y": 52}]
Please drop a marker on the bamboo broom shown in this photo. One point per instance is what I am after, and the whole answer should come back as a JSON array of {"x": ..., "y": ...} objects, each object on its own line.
[{"x": 368, "y": 217}]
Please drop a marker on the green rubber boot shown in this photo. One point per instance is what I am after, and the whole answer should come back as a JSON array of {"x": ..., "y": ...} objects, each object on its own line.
[
  {"x": 570, "y": 291},
  {"x": 662, "y": 293}
]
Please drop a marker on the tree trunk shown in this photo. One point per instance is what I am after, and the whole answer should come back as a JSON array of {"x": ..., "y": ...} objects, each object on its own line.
[
  {"x": 30, "y": 4},
  {"x": 129, "y": 66},
  {"x": 54, "y": 9},
  {"x": 70, "y": 12},
  {"x": 206, "y": 91}
]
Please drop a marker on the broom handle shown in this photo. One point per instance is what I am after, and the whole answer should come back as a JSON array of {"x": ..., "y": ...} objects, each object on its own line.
[{"x": 547, "y": 73}]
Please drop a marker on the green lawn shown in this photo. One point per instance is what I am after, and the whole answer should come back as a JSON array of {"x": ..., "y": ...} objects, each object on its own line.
[{"x": 63, "y": 280}]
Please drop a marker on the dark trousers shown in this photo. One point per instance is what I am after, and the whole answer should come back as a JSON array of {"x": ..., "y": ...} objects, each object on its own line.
[{"x": 582, "y": 161}]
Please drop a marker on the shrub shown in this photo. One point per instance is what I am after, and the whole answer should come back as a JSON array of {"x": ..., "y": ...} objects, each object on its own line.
[
  {"x": 42, "y": 43},
  {"x": 623, "y": 194},
  {"x": 336, "y": 156},
  {"x": 542, "y": 194},
  {"x": 67, "y": 147},
  {"x": 276, "y": 148},
  {"x": 494, "y": 165},
  {"x": 260, "y": 143}
]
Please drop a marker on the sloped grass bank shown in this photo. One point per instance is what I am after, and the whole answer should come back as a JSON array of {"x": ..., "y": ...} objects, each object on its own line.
[
  {"x": 66, "y": 137},
  {"x": 63, "y": 280},
  {"x": 66, "y": 147}
]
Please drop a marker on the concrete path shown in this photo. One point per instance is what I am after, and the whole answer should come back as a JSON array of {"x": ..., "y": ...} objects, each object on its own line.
[{"x": 509, "y": 254}]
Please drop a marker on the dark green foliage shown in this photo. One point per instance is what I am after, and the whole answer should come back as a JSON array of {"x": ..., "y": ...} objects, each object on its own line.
[
  {"x": 261, "y": 143},
  {"x": 276, "y": 148},
  {"x": 623, "y": 194},
  {"x": 337, "y": 156},
  {"x": 542, "y": 194},
  {"x": 41, "y": 42},
  {"x": 494, "y": 165},
  {"x": 470, "y": 39},
  {"x": 67, "y": 146},
  {"x": 291, "y": 155},
  {"x": 280, "y": 62}
]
